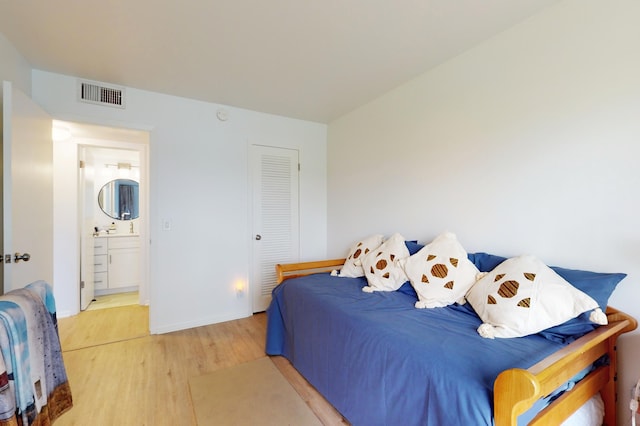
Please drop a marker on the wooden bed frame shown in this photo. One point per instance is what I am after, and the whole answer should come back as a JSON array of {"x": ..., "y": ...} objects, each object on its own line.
[{"x": 516, "y": 390}]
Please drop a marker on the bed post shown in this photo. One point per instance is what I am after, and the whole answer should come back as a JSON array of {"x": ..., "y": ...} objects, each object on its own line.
[
  {"x": 515, "y": 391},
  {"x": 608, "y": 392}
]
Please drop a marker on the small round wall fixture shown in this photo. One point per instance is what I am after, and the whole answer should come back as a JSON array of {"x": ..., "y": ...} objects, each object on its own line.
[{"x": 222, "y": 114}]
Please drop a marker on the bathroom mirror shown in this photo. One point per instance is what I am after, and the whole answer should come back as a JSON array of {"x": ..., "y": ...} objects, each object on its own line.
[{"x": 118, "y": 199}]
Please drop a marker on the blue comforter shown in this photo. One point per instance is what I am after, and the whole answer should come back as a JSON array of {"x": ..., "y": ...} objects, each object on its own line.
[{"x": 380, "y": 361}]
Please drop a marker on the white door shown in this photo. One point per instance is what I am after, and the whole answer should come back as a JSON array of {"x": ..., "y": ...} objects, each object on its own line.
[
  {"x": 86, "y": 204},
  {"x": 27, "y": 190},
  {"x": 275, "y": 217}
]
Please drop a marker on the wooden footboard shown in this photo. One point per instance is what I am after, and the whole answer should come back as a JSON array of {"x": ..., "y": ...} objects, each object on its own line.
[{"x": 516, "y": 390}]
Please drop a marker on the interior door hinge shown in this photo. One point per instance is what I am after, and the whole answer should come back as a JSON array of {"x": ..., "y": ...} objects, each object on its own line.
[
  {"x": 81, "y": 165},
  {"x": 298, "y": 166}
]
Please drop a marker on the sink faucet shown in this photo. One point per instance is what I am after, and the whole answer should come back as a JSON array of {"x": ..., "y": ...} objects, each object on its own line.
[{"x": 124, "y": 214}]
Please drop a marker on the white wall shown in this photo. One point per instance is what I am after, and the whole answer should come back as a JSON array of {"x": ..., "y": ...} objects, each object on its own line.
[
  {"x": 528, "y": 143},
  {"x": 14, "y": 67},
  {"x": 199, "y": 181},
  {"x": 66, "y": 253}
]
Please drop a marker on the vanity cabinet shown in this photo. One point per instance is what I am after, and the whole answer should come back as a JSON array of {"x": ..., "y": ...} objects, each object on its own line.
[{"x": 116, "y": 263}]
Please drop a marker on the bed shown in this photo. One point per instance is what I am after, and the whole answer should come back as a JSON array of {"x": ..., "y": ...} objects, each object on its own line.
[{"x": 379, "y": 360}]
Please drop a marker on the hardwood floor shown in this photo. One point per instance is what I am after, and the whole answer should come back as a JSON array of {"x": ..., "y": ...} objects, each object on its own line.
[
  {"x": 98, "y": 327},
  {"x": 121, "y": 375},
  {"x": 114, "y": 300}
]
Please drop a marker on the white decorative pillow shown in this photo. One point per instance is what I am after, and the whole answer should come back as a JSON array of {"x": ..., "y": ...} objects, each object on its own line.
[
  {"x": 440, "y": 272},
  {"x": 381, "y": 265},
  {"x": 523, "y": 296},
  {"x": 353, "y": 265}
]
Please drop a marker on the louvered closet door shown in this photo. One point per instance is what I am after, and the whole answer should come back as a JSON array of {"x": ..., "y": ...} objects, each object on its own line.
[{"x": 275, "y": 217}]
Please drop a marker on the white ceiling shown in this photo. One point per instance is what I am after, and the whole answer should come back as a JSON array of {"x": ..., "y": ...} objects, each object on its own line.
[{"x": 313, "y": 60}]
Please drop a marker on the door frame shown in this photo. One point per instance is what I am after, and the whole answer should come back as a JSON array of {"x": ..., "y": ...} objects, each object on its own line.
[
  {"x": 112, "y": 142},
  {"x": 86, "y": 272}
]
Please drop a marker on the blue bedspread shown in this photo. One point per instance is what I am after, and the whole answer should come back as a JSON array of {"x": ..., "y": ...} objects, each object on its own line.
[{"x": 380, "y": 361}]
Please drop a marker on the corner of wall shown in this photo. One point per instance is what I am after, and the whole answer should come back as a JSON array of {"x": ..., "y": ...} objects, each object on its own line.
[{"x": 14, "y": 67}]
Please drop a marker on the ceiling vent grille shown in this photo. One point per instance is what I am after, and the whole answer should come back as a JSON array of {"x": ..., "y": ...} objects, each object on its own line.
[{"x": 100, "y": 94}]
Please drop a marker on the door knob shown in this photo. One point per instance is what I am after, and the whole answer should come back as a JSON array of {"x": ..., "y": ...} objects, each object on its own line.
[
  {"x": 258, "y": 237},
  {"x": 24, "y": 257}
]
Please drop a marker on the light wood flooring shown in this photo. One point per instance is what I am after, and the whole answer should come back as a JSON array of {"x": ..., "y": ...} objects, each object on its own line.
[
  {"x": 121, "y": 375},
  {"x": 114, "y": 300}
]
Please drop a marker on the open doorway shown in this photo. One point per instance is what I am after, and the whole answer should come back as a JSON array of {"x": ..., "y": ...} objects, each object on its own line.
[
  {"x": 109, "y": 199},
  {"x": 101, "y": 181}
]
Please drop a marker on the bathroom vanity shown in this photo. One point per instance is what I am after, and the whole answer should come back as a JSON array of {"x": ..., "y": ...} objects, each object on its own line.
[{"x": 116, "y": 263}]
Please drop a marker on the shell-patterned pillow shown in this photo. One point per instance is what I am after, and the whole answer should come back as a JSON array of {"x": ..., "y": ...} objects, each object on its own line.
[
  {"x": 353, "y": 264},
  {"x": 440, "y": 272},
  {"x": 381, "y": 265},
  {"x": 523, "y": 296}
]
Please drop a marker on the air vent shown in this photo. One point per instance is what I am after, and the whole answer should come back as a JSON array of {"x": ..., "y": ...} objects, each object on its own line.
[{"x": 96, "y": 93}]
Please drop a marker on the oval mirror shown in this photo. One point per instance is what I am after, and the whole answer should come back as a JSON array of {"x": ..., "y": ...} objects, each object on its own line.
[{"x": 118, "y": 199}]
